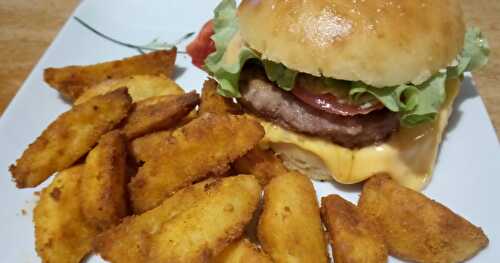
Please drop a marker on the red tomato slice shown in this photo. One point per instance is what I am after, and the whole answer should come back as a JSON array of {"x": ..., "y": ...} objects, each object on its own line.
[
  {"x": 202, "y": 45},
  {"x": 329, "y": 103}
]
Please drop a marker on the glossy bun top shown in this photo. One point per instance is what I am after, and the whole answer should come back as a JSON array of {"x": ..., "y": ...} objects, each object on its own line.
[{"x": 379, "y": 42}]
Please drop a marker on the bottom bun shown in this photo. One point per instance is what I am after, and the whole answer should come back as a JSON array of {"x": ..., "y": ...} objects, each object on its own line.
[{"x": 408, "y": 156}]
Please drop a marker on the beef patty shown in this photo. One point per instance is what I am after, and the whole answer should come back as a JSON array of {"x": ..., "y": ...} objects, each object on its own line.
[{"x": 265, "y": 99}]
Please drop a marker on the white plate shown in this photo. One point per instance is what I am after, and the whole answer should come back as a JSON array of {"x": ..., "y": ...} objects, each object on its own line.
[{"x": 466, "y": 179}]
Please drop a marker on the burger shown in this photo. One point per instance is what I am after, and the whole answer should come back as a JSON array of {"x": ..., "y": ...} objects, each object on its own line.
[{"x": 345, "y": 89}]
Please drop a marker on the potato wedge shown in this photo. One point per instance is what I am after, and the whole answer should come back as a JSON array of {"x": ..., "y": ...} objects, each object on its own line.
[
  {"x": 205, "y": 146},
  {"x": 140, "y": 87},
  {"x": 129, "y": 241},
  {"x": 146, "y": 147},
  {"x": 290, "y": 227},
  {"x": 212, "y": 102},
  {"x": 417, "y": 228},
  {"x": 354, "y": 238},
  {"x": 242, "y": 251},
  {"x": 159, "y": 113},
  {"x": 103, "y": 186},
  {"x": 263, "y": 164},
  {"x": 70, "y": 137},
  {"x": 61, "y": 233},
  {"x": 194, "y": 224},
  {"x": 72, "y": 81},
  {"x": 218, "y": 220}
]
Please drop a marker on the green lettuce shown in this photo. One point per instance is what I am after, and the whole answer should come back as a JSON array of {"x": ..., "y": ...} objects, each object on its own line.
[
  {"x": 473, "y": 56},
  {"x": 415, "y": 103},
  {"x": 421, "y": 103},
  {"x": 227, "y": 61}
]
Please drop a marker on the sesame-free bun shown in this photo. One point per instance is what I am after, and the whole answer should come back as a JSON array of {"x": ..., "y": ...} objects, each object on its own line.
[
  {"x": 408, "y": 156},
  {"x": 379, "y": 42}
]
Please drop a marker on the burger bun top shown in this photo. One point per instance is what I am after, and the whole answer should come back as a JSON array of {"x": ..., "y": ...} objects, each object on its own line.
[{"x": 379, "y": 42}]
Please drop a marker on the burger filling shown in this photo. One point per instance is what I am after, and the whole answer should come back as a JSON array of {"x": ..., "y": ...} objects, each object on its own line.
[
  {"x": 266, "y": 100},
  {"x": 350, "y": 113}
]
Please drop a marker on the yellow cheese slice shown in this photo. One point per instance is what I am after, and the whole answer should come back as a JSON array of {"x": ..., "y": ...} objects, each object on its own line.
[{"x": 408, "y": 156}]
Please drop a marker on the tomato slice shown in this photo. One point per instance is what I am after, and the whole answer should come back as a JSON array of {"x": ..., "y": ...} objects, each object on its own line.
[
  {"x": 202, "y": 45},
  {"x": 330, "y": 103}
]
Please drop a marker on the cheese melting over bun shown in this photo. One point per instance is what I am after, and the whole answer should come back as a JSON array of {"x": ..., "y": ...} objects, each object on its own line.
[{"x": 408, "y": 156}]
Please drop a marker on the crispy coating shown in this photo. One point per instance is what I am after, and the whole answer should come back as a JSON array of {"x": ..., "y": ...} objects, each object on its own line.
[
  {"x": 159, "y": 113},
  {"x": 130, "y": 240},
  {"x": 72, "y": 81},
  {"x": 242, "y": 251},
  {"x": 290, "y": 227},
  {"x": 61, "y": 233},
  {"x": 354, "y": 238},
  {"x": 70, "y": 137},
  {"x": 195, "y": 223},
  {"x": 417, "y": 228},
  {"x": 212, "y": 102},
  {"x": 263, "y": 164},
  {"x": 104, "y": 184},
  {"x": 146, "y": 147},
  {"x": 217, "y": 221},
  {"x": 140, "y": 87},
  {"x": 205, "y": 146}
]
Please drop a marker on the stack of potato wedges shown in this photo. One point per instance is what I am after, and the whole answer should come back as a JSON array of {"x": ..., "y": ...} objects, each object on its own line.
[{"x": 144, "y": 172}]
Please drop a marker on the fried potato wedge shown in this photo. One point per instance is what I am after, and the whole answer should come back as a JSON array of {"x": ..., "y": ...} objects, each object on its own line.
[
  {"x": 140, "y": 87},
  {"x": 103, "y": 186},
  {"x": 263, "y": 164},
  {"x": 129, "y": 241},
  {"x": 242, "y": 251},
  {"x": 218, "y": 221},
  {"x": 354, "y": 238},
  {"x": 194, "y": 224},
  {"x": 159, "y": 113},
  {"x": 417, "y": 228},
  {"x": 70, "y": 137},
  {"x": 212, "y": 102},
  {"x": 290, "y": 227},
  {"x": 205, "y": 146},
  {"x": 146, "y": 147},
  {"x": 72, "y": 81},
  {"x": 61, "y": 233}
]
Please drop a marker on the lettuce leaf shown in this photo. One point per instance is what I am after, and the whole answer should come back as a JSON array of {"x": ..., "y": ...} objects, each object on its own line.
[
  {"x": 281, "y": 75},
  {"x": 226, "y": 71},
  {"x": 421, "y": 103},
  {"x": 473, "y": 56},
  {"x": 231, "y": 54},
  {"x": 417, "y": 104}
]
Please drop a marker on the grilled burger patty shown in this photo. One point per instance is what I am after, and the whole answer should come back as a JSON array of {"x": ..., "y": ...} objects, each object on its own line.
[{"x": 266, "y": 100}]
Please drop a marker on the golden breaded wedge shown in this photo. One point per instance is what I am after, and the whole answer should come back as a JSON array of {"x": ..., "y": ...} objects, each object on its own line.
[
  {"x": 104, "y": 184},
  {"x": 140, "y": 87},
  {"x": 61, "y": 233},
  {"x": 210, "y": 225},
  {"x": 149, "y": 145},
  {"x": 192, "y": 225},
  {"x": 242, "y": 251},
  {"x": 263, "y": 164},
  {"x": 417, "y": 228},
  {"x": 290, "y": 227},
  {"x": 129, "y": 241},
  {"x": 70, "y": 137},
  {"x": 203, "y": 147},
  {"x": 354, "y": 238},
  {"x": 72, "y": 81},
  {"x": 211, "y": 102},
  {"x": 146, "y": 147},
  {"x": 159, "y": 113}
]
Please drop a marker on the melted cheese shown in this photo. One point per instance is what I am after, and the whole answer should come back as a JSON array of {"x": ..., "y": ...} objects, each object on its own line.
[{"x": 409, "y": 155}]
